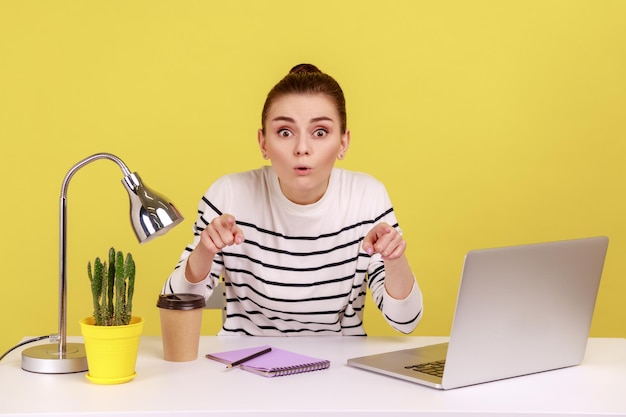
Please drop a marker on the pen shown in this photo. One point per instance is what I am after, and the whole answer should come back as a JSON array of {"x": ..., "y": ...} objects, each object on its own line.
[{"x": 247, "y": 358}]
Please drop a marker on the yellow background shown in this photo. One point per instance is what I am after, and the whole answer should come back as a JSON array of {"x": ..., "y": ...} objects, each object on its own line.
[{"x": 491, "y": 123}]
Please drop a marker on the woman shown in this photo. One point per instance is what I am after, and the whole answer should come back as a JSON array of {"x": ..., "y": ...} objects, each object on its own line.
[{"x": 298, "y": 242}]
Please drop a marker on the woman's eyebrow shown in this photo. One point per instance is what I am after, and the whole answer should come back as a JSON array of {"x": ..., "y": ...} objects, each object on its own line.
[
  {"x": 283, "y": 119},
  {"x": 291, "y": 120},
  {"x": 321, "y": 119}
]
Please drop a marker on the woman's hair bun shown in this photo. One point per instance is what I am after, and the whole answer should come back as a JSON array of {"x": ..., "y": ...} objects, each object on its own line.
[
  {"x": 304, "y": 68},
  {"x": 307, "y": 79}
]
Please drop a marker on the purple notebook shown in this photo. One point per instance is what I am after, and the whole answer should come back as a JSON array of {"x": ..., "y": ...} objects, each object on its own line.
[{"x": 277, "y": 362}]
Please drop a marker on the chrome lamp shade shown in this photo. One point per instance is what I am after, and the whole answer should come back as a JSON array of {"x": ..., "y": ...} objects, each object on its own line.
[{"x": 151, "y": 215}]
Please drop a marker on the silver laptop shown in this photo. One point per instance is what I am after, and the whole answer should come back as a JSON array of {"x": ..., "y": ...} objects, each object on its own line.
[{"x": 520, "y": 310}]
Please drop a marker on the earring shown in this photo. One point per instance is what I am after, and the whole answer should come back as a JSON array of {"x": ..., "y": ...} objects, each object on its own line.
[
  {"x": 265, "y": 156},
  {"x": 340, "y": 156}
]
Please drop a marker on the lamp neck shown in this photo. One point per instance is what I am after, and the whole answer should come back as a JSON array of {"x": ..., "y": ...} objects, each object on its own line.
[
  {"x": 86, "y": 161},
  {"x": 63, "y": 241}
]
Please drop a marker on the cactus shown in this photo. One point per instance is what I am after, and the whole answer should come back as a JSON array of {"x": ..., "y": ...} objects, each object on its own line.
[{"x": 112, "y": 289}]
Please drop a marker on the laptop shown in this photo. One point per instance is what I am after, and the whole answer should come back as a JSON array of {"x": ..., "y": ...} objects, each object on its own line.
[{"x": 520, "y": 310}]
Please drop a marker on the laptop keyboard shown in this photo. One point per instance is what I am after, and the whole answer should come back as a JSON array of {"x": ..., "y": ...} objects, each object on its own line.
[{"x": 431, "y": 368}]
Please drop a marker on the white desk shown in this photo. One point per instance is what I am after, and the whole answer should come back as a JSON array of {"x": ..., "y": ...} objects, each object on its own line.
[{"x": 206, "y": 388}]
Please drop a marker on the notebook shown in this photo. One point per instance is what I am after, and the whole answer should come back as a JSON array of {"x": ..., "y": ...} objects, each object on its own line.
[
  {"x": 520, "y": 310},
  {"x": 277, "y": 362}
]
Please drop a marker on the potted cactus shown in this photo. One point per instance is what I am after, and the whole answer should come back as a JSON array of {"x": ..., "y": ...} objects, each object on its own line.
[
  {"x": 112, "y": 289},
  {"x": 112, "y": 333}
]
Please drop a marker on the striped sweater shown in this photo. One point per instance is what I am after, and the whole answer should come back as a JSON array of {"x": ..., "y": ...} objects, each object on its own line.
[{"x": 301, "y": 269}]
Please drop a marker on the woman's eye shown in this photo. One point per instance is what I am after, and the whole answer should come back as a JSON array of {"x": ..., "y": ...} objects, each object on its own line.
[
  {"x": 284, "y": 133},
  {"x": 320, "y": 133}
]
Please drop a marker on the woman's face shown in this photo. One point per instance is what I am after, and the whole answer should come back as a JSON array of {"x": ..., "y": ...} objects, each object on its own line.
[{"x": 303, "y": 139}]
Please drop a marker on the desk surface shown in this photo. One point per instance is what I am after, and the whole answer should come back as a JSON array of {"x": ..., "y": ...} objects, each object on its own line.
[{"x": 205, "y": 388}]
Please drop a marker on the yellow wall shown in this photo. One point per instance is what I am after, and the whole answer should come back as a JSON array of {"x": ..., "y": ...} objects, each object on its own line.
[{"x": 491, "y": 122}]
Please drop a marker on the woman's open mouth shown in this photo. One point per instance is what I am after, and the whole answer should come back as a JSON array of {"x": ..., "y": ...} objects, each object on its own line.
[{"x": 302, "y": 170}]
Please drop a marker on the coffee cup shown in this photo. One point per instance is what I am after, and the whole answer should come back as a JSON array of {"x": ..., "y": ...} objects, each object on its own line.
[{"x": 181, "y": 319}]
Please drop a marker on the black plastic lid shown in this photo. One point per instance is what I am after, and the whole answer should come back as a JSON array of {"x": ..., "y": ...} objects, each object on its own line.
[{"x": 181, "y": 301}]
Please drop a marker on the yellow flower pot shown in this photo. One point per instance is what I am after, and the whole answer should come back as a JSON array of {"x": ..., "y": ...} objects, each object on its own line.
[{"x": 111, "y": 350}]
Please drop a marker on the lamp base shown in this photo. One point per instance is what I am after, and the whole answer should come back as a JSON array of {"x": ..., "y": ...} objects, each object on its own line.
[{"x": 45, "y": 359}]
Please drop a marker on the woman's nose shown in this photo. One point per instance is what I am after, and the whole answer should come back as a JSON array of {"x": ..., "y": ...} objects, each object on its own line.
[{"x": 302, "y": 146}]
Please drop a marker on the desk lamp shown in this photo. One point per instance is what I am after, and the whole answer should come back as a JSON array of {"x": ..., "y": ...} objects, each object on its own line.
[{"x": 151, "y": 215}]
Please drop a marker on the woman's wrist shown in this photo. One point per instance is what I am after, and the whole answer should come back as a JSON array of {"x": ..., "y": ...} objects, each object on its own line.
[
  {"x": 399, "y": 278},
  {"x": 198, "y": 265}
]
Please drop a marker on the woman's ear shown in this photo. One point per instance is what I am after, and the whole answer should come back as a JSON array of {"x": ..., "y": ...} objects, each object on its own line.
[
  {"x": 262, "y": 143},
  {"x": 345, "y": 144}
]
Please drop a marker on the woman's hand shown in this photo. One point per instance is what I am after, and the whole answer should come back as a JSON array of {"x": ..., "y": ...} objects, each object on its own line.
[
  {"x": 385, "y": 240},
  {"x": 221, "y": 232}
]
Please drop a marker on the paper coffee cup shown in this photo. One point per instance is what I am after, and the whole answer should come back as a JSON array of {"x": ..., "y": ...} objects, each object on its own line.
[{"x": 181, "y": 319}]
